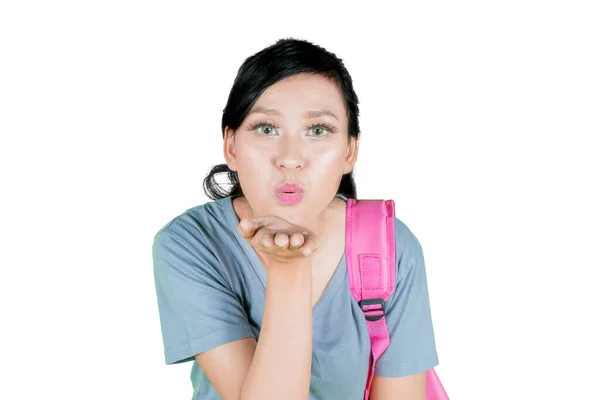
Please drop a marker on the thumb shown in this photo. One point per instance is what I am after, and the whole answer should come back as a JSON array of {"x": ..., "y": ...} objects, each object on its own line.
[{"x": 246, "y": 228}]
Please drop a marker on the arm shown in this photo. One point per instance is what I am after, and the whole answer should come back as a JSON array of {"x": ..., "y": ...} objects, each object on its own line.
[
  {"x": 282, "y": 362},
  {"x": 226, "y": 366},
  {"x": 411, "y": 387},
  {"x": 278, "y": 366}
]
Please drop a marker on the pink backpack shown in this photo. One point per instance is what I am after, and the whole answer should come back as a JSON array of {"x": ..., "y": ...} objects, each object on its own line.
[{"x": 371, "y": 264}]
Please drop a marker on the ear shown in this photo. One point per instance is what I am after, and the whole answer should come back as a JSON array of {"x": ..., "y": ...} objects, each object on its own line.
[
  {"x": 229, "y": 149},
  {"x": 351, "y": 155}
]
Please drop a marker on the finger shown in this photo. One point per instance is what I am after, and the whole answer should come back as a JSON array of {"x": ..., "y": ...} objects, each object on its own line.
[
  {"x": 246, "y": 228},
  {"x": 310, "y": 245},
  {"x": 243, "y": 226},
  {"x": 296, "y": 240},
  {"x": 266, "y": 241},
  {"x": 281, "y": 240}
]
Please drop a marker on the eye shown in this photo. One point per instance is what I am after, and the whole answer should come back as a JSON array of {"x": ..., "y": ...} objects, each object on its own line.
[
  {"x": 322, "y": 128},
  {"x": 268, "y": 128}
]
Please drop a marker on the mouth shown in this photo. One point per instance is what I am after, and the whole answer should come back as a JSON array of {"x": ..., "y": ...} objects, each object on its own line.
[
  {"x": 290, "y": 193},
  {"x": 290, "y": 188}
]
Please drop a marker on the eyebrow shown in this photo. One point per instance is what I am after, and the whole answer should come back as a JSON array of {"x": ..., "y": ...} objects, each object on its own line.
[{"x": 311, "y": 113}]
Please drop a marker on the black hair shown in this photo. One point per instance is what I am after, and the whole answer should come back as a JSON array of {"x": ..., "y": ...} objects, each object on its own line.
[{"x": 281, "y": 60}]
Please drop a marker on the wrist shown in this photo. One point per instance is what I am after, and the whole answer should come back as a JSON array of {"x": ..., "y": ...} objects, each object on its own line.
[
  {"x": 298, "y": 271},
  {"x": 273, "y": 262}
]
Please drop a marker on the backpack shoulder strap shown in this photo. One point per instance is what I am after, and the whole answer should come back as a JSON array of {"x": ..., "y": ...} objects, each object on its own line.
[
  {"x": 370, "y": 248},
  {"x": 371, "y": 265}
]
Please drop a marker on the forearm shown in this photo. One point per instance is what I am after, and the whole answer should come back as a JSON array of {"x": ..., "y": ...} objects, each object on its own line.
[{"x": 281, "y": 364}]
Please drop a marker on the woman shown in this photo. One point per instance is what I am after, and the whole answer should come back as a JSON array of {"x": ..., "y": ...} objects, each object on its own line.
[{"x": 253, "y": 285}]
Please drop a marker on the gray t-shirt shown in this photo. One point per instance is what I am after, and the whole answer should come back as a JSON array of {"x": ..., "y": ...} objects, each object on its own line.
[{"x": 211, "y": 286}]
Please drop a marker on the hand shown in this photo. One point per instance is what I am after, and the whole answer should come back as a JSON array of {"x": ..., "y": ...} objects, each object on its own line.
[{"x": 277, "y": 240}]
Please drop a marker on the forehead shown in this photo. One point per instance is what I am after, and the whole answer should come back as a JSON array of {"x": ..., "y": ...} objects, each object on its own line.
[{"x": 303, "y": 92}]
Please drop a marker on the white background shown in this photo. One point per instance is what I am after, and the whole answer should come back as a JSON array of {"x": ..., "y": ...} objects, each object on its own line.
[{"x": 480, "y": 119}]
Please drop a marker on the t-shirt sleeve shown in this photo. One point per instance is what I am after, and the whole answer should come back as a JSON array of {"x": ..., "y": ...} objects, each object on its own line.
[
  {"x": 198, "y": 309},
  {"x": 408, "y": 317}
]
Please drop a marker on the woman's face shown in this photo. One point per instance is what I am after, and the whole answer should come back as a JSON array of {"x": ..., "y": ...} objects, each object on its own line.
[{"x": 296, "y": 132}]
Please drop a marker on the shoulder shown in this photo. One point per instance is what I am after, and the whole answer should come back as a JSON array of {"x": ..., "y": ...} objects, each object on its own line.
[
  {"x": 406, "y": 241},
  {"x": 197, "y": 236},
  {"x": 196, "y": 222},
  {"x": 409, "y": 253}
]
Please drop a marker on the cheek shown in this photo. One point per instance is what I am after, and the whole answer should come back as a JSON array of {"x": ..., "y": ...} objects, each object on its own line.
[
  {"x": 251, "y": 165},
  {"x": 253, "y": 154},
  {"x": 329, "y": 158}
]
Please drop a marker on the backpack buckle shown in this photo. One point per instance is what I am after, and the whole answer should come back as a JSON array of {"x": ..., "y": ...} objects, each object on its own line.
[{"x": 370, "y": 309}]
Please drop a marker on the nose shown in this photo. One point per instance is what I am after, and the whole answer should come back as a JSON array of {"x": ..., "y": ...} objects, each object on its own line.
[{"x": 290, "y": 154}]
